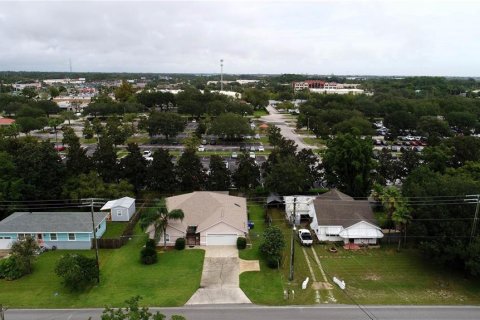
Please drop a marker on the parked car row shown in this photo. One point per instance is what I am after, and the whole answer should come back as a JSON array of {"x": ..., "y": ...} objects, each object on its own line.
[{"x": 252, "y": 147}]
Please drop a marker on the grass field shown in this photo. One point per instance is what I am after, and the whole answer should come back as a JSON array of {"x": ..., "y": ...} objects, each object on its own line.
[
  {"x": 373, "y": 276},
  {"x": 170, "y": 282},
  {"x": 122, "y": 153},
  {"x": 259, "y": 113},
  {"x": 385, "y": 276},
  {"x": 114, "y": 229},
  {"x": 88, "y": 141},
  {"x": 138, "y": 140},
  {"x": 314, "y": 141},
  {"x": 267, "y": 286}
]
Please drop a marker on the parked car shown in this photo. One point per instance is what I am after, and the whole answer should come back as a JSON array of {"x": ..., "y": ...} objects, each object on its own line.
[
  {"x": 234, "y": 155},
  {"x": 60, "y": 148},
  {"x": 261, "y": 148},
  {"x": 147, "y": 153},
  {"x": 305, "y": 237},
  {"x": 252, "y": 148},
  {"x": 201, "y": 148},
  {"x": 252, "y": 155}
]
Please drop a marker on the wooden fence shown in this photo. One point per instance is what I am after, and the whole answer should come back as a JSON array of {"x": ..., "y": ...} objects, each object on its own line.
[{"x": 116, "y": 243}]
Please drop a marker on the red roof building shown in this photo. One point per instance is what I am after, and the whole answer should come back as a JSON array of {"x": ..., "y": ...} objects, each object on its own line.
[{"x": 6, "y": 121}]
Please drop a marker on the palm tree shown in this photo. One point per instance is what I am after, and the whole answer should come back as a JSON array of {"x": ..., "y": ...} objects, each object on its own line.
[
  {"x": 401, "y": 217},
  {"x": 160, "y": 219},
  {"x": 396, "y": 207}
]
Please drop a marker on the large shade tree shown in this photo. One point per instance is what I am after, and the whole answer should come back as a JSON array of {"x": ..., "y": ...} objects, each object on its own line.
[
  {"x": 348, "y": 163},
  {"x": 161, "y": 173},
  {"x": 190, "y": 171}
]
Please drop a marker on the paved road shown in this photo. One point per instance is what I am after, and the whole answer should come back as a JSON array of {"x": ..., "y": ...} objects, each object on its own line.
[
  {"x": 278, "y": 119},
  {"x": 249, "y": 312}
]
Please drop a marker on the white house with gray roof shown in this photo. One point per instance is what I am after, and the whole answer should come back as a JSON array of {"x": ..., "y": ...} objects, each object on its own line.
[
  {"x": 62, "y": 230},
  {"x": 120, "y": 209}
]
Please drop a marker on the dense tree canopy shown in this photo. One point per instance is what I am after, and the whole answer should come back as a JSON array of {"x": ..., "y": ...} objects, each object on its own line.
[{"x": 348, "y": 164}]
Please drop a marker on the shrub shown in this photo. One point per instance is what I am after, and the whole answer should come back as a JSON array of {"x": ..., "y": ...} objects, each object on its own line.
[
  {"x": 272, "y": 246},
  {"x": 9, "y": 269},
  {"x": 151, "y": 244},
  {"x": 180, "y": 244},
  {"x": 148, "y": 255},
  {"x": 241, "y": 243},
  {"x": 273, "y": 262},
  {"x": 76, "y": 270}
]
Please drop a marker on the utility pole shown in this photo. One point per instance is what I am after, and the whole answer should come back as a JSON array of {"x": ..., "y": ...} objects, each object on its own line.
[
  {"x": 96, "y": 241},
  {"x": 476, "y": 198},
  {"x": 292, "y": 244},
  {"x": 91, "y": 202}
]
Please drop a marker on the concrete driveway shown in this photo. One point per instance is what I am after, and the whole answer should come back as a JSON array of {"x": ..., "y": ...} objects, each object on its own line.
[{"x": 220, "y": 278}]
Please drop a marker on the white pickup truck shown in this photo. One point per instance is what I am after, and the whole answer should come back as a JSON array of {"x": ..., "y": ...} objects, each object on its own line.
[{"x": 305, "y": 237}]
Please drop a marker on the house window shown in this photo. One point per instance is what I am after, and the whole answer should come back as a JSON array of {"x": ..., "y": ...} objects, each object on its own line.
[
  {"x": 119, "y": 212},
  {"x": 167, "y": 237},
  {"x": 71, "y": 236},
  {"x": 23, "y": 236},
  {"x": 53, "y": 236}
]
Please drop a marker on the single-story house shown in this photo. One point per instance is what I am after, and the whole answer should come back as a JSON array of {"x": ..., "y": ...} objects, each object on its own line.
[
  {"x": 211, "y": 218},
  {"x": 62, "y": 230},
  {"x": 338, "y": 217},
  {"x": 120, "y": 209},
  {"x": 300, "y": 208}
]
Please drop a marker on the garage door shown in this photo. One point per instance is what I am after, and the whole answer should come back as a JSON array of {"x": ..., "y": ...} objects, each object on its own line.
[
  {"x": 221, "y": 239},
  {"x": 5, "y": 244}
]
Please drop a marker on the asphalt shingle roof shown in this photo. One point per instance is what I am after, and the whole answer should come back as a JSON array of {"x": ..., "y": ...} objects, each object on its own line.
[
  {"x": 335, "y": 208},
  {"x": 45, "y": 222}
]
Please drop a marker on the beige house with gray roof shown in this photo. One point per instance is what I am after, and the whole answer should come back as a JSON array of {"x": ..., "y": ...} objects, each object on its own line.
[{"x": 211, "y": 218}]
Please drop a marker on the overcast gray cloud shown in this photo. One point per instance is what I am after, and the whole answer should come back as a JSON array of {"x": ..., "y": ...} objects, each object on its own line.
[{"x": 340, "y": 37}]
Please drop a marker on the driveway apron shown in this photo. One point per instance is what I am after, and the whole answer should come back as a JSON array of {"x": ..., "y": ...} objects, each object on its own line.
[{"x": 220, "y": 278}]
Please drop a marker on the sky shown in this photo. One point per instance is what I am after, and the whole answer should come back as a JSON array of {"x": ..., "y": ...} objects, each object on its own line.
[{"x": 356, "y": 37}]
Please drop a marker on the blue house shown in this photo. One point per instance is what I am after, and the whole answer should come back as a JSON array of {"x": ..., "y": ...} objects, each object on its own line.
[{"x": 60, "y": 230}]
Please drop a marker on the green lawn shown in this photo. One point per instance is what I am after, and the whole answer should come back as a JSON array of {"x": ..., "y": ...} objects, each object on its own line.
[
  {"x": 122, "y": 153},
  {"x": 114, "y": 229},
  {"x": 259, "y": 113},
  {"x": 170, "y": 282},
  {"x": 314, "y": 141},
  {"x": 88, "y": 141},
  {"x": 267, "y": 286},
  {"x": 385, "y": 276},
  {"x": 138, "y": 140},
  {"x": 373, "y": 276}
]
